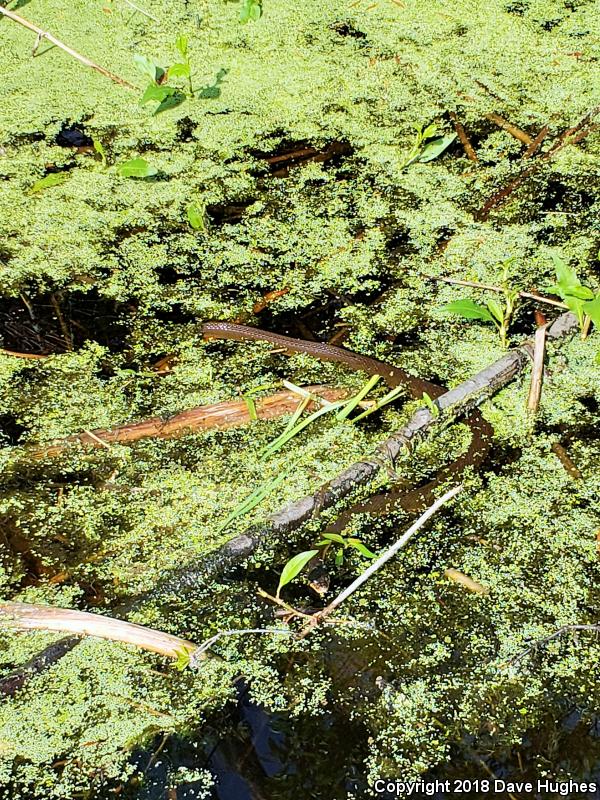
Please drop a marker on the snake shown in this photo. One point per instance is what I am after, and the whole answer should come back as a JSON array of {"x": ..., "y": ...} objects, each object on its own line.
[{"x": 416, "y": 499}]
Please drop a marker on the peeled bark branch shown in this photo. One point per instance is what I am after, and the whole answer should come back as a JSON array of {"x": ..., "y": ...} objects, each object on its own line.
[
  {"x": 229, "y": 414},
  {"x": 30, "y": 616}
]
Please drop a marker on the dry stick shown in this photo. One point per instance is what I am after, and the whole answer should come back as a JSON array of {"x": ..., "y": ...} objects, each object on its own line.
[
  {"x": 453, "y": 404},
  {"x": 489, "y": 287},
  {"x": 463, "y": 138},
  {"x": 383, "y": 559},
  {"x": 535, "y": 145},
  {"x": 141, "y": 10},
  {"x": 572, "y": 135},
  {"x": 30, "y": 616},
  {"x": 518, "y": 133},
  {"x": 537, "y": 372},
  {"x": 228, "y": 414},
  {"x": 566, "y": 460},
  {"x": 14, "y": 354},
  {"x": 41, "y": 34}
]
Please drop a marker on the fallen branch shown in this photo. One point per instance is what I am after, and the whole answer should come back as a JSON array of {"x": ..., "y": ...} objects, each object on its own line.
[
  {"x": 26, "y": 616},
  {"x": 594, "y": 628},
  {"x": 514, "y": 131},
  {"x": 41, "y": 34},
  {"x": 228, "y": 414},
  {"x": 453, "y": 404}
]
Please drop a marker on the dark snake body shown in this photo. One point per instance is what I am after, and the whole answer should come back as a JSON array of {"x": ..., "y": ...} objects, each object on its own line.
[{"x": 417, "y": 499}]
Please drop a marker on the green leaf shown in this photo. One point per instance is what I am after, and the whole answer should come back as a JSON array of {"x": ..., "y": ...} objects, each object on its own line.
[
  {"x": 294, "y": 566},
  {"x": 172, "y": 100},
  {"x": 567, "y": 281},
  {"x": 496, "y": 310},
  {"x": 148, "y": 68},
  {"x": 181, "y": 44},
  {"x": 255, "y": 12},
  {"x": 429, "y": 132},
  {"x": 592, "y": 309},
  {"x": 195, "y": 216},
  {"x": 469, "y": 309},
  {"x": 179, "y": 71},
  {"x": 362, "y": 549},
  {"x": 183, "y": 659},
  {"x": 100, "y": 150},
  {"x": 435, "y": 148},
  {"x": 54, "y": 179},
  {"x": 136, "y": 168},
  {"x": 435, "y": 411},
  {"x": 339, "y": 557},
  {"x": 334, "y": 537}
]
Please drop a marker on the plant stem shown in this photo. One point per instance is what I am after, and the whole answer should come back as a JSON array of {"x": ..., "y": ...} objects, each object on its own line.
[
  {"x": 41, "y": 34},
  {"x": 475, "y": 285},
  {"x": 383, "y": 559}
]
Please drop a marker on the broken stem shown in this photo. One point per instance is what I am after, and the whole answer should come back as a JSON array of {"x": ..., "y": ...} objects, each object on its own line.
[
  {"x": 489, "y": 287},
  {"x": 41, "y": 34},
  {"x": 537, "y": 373}
]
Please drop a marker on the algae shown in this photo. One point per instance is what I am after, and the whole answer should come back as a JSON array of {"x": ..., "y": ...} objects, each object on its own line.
[{"x": 354, "y": 239}]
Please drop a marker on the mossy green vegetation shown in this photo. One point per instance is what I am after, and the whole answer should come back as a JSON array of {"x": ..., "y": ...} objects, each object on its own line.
[{"x": 106, "y": 273}]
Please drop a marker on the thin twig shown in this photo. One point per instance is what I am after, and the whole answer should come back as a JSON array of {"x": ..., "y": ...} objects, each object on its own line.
[
  {"x": 515, "y": 131},
  {"x": 41, "y": 34},
  {"x": 537, "y": 372},
  {"x": 489, "y": 287},
  {"x": 463, "y": 138},
  {"x": 595, "y": 627},
  {"x": 566, "y": 460},
  {"x": 535, "y": 144},
  {"x": 199, "y": 652},
  {"x": 141, "y": 10},
  {"x": 383, "y": 559},
  {"x": 61, "y": 321},
  {"x": 14, "y": 354},
  {"x": 572, "y": 135}
]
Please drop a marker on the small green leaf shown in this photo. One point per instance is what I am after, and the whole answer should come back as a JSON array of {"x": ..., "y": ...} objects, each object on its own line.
[
  {"x": 255, "y": 12},
  {"x": 469, "y": 309},
  {"x": 334, "y": 537},
  {"x": 592, "y": 309},
  {"x": 100, "y": 150},
  {"x": 195, "y": 216},
  {"x": 156, "y": 94},
  {"x": 339, "y": 557},
  {"x": 294, "y": 566},
  {"x": 54, "y": 179},
  {"x": 179, "y": 71},
  {"x": 136, "y": 168},
  {"x": 148, "y": 68},
  {"x": 435, "y": 148},
  {"x": 181, "y": 44},
  {"x": 183, "y": 659},
  {"x": 362, "y": 549},
  {"x": 496, "y": 310},
  {"x": 435, "y": 411},
  {"x": 429, "y": 132}
]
